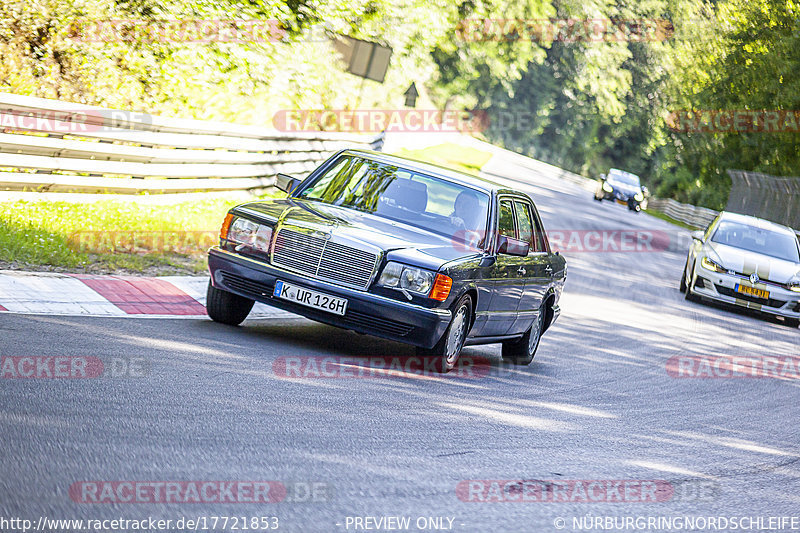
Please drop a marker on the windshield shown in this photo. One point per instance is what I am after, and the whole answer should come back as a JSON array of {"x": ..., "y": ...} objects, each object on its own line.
[
  {"x": 420, "y": 200},
  {"x": 624, "y": 177},
  {"x": 763, "y": 241}
]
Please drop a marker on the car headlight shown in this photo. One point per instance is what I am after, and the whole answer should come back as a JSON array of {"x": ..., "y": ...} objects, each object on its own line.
[
  {"x": 415, "y": 280},
  {"x": 639, "y": 196},
  {"x": 607, "y": 187},
  {"x": 245, "y": 233},
  {"x": 708, "y": 264}
]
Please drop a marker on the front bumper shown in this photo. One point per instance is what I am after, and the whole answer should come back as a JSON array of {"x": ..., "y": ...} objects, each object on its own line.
[
  {"x": 721, "y": 287},
  {"x": 366, "y": 313}
]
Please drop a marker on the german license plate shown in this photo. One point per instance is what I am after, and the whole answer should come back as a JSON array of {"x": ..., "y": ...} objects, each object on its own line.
[
  {"x": 752, "y": 291},
  {"x": 309, "y": 298}
]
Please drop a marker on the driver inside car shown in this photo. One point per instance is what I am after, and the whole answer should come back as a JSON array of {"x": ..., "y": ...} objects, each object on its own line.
[{"x": 466, "y": 217}]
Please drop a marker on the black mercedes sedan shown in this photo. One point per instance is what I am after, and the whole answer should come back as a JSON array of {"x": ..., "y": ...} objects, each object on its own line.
[{"x": 395, "y": 248}]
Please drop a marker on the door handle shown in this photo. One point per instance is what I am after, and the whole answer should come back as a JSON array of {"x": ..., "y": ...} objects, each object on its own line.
[
  {"x": 548, "y": 269},
  {"x": 521, "y": 271}
]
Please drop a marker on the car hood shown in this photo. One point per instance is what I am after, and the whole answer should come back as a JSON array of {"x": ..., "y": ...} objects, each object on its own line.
[
  {"x": 401, "y": 242},
  {"x": 745, "y": 262}
]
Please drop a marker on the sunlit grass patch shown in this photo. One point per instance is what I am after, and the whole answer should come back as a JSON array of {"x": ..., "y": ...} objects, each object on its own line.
[
  {"x": 110, "y": 235},
  {"x": 450, "y": 155}
]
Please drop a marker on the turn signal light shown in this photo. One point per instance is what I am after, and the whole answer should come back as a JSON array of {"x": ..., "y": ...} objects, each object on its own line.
[
  {"x": 226, "y": 224},
  {"x": 441, "y": 287}
]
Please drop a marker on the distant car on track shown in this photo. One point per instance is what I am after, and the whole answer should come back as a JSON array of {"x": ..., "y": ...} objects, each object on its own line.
[
  {"x": 746, "y": 261},
  {"x": 624, "y": 188},
  {"x": 395, "y": 248}
]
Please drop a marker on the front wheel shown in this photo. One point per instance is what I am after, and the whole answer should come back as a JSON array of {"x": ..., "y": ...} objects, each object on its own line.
[
  {"x": 521, "y": 352},
  {"x": 448, "y": 349},
  {"x": 688, "y": 294},
  {"x": 683, "y": 276},
  {"x": 226, "y": 307}
]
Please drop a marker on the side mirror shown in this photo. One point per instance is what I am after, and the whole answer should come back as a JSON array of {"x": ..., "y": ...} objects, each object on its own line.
[
  {"x": 602, "y": 177},
  {"x": 699, "y": 236},
  {"x": 511, "y": 246},
  {"x": 646, "y": 192},
  {"x": 286, "y": 183}
]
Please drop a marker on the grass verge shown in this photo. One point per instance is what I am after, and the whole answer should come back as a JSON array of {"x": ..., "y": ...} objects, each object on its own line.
[
  {"x": 450, "y": 155},
  {"x": 658, "y": 214},
  {"x": 110, "y": 236}
]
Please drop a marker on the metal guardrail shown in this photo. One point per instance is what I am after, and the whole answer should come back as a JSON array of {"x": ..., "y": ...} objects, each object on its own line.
[
  {"x": 699, "y": 217},
  {"x": 54, "y": 146}
]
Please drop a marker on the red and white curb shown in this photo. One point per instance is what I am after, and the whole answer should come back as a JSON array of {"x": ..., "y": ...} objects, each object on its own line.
[{"x": 48, "y": 293}]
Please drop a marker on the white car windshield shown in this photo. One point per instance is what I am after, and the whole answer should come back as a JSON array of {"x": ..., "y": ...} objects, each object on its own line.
[
  {"x": 763, "y": 241},
  {"x": 626, "y": 178}
]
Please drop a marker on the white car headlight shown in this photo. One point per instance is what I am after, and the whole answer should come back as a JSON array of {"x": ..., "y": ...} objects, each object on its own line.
[
  {"x": 639, "y": 196},
  {"x": 408, "y": 278},
  {"x": 708, "y": 264},
  {"x": 246, "y": 233},
  {"x": 607, "y": 187}
]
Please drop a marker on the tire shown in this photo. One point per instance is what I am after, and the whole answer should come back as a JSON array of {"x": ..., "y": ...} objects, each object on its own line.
[
  {"x": 522, "y": 351},
  {"x": 687, "y": 293},
  {"x": 225, "y": 307},
  {"x": 683, "y": 276},
  {"x": 793, "y": 323},
  {"x": 600, "y": 199},
  {"x": 448, "y": 349}
]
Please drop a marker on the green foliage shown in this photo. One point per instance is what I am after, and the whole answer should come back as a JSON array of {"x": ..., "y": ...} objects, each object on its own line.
[{"x": 585, "y": 106}]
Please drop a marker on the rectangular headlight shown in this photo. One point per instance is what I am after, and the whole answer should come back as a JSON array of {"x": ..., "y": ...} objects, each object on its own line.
[
  {"x": 244, "y": 233},
  {"x": 407, "y": 278}
]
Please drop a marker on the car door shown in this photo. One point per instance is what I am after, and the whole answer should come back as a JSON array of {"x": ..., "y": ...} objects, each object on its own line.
[
  {"x": 507, "y": 277},
  {"x": 537, "y": 269}
]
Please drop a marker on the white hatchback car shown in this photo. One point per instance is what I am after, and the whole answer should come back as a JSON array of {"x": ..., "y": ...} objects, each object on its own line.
[{"x": 746, "y": 261}]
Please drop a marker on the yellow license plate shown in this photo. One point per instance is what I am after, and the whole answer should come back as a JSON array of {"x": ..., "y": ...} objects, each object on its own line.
[{"x": 752, "y": 291}]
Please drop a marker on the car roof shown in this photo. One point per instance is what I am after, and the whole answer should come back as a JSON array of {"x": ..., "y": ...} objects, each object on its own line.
[
  {"x": 455, "y": 176},
  {"x": 755, "y": 221}
]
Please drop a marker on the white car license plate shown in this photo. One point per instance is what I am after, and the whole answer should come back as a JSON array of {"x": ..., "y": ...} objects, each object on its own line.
[{"x": 309, "y": 298}]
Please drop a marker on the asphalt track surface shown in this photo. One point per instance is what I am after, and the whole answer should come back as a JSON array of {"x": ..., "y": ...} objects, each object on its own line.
[{"x": 598, "y": 403}]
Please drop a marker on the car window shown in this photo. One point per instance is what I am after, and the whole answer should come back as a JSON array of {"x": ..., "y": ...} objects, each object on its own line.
[
  {"x": 524, "y": 226},
  {"x": 434, "y": 204},
  {"x": 755, "y": 239},
  {"x": 506, "y": 223},
  {"x": 540, "y": 238}
]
